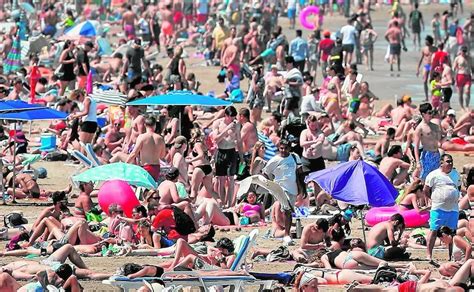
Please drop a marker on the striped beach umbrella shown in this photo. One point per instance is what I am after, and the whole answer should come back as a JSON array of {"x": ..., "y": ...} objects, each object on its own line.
[
  {"x": 13, "y": 61},
  {"x": 109, "y": 97}
]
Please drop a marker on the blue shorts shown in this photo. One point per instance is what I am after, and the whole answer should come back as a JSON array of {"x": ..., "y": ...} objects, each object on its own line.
[
  {"x": 440, "y": 218},
  {"x": 291, "y": 13},
  {"x": 165, "y": 242},
  {"x": 429, "y": 161}
]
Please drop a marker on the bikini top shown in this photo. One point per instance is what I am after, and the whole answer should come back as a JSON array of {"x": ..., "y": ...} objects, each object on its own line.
[{"x": 248, "y": 207}]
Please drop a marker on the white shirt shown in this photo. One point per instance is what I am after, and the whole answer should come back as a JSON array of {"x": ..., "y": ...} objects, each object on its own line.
[
  {"x": 292, "y": 4},
  {"x": 310, "y": 104},
  {"x": 348, "y": 35},
  {"x": 444, "y": 191},
  {"x": 283, "y": 171}
]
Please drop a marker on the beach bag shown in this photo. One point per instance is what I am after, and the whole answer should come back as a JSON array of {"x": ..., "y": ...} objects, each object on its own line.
[
  {"x": 237, "y": 95},
  {"x": 184, "y": 223},
  {"x": 384, "y": 274},
  {"x": 280, "y": 254}
]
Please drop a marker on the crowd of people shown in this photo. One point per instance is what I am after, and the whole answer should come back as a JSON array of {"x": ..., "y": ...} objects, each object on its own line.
[{"x": 284, "y": 126}]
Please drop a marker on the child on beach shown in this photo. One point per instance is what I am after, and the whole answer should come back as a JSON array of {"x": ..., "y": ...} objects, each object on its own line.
[{"x": 436, "y": 93}]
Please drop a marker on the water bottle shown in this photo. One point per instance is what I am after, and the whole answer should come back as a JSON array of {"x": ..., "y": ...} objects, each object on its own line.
[{"x": 299, "y": 228}]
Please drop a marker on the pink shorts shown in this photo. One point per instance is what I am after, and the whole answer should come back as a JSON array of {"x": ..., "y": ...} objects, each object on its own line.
[{"x": 463, "y": 80}]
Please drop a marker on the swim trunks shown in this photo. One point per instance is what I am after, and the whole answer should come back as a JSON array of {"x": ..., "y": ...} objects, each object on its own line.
[
  {"x": 407, "y": 286},
  {"x": 377, "y": 251},
  {"x": 226, "y": 162},
  {"x": 395, "y": 49},
  {"x": 440, "y": 218},
  {"x": 429, "y": 161},
  {"x": 129, "y": 31},
  {"x": 153, "y": 170}
]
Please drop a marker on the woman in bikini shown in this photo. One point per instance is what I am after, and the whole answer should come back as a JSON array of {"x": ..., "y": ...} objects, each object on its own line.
[
  {"x": 333, "y": 95},
  {"x": 202, "y": 173},
  {"x": 413, "y": 196},
  {"x": 251, "y": 209},
  {"x": 355, "y": 258}
]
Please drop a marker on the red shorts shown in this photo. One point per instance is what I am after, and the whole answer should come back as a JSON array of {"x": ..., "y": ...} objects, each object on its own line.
[
  {"x": 201, "y": 18},
  {"x": 408, "y": 286},
  {"x": 463, "y": 80},
  {"x": 153, "y": 170}
]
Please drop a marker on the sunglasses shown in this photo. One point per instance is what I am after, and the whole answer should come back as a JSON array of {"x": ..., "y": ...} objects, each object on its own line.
[{"x": 448, "y": 161}]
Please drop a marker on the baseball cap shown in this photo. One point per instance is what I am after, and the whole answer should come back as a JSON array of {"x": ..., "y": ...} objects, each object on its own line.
[
  {"x": 406, "y": 98},
  {"x": 327, "y": 33},
  {"x": 179, "y": 141},
  {"x": 172, "y": 173},
  {"x": 451, "y": 112},
  {"x": 137, "y": 41}
]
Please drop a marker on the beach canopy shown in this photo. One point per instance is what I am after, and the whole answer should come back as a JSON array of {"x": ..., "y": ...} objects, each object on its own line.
[
  {"x": 181, "y": 97},
  {"x": 88, "y": 28},
  {"x": 356, "y": 183},
  {"x": 35, "y": 114},
  {"x": 16, "y": 105},
  {"x": 131, "y": 173}
]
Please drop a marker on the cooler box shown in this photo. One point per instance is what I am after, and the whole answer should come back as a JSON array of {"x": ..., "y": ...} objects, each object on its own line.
[{"x": 48, "y": 142}]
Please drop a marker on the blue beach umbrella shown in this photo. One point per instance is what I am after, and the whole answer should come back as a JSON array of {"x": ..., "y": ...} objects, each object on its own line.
[
  {"x": 39, "y": 114},
  {"x": 181, "y": 97},
  {"x": 16, "y": 105},
  {"x": 356, "y": 183},
  {"x": 89, "y": 28}
]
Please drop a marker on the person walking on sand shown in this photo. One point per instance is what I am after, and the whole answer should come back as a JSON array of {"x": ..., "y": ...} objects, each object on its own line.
[
  {"x": 417, "y": 25},
  {"x": 444, "y": 195},
  {"x": 129, "y": 19},
  {"x": 425, "y": 59},
  {"x": 149, "y": 149},
  {"x": 394, "y": 38},
  {"x": 427, "y": 134}
]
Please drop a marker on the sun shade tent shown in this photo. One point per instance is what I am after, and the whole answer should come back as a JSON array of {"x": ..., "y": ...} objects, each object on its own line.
[{"x": 181, "y": 97}]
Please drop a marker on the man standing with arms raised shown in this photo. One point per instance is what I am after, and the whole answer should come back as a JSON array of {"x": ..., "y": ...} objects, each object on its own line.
[
  {"x": 444, "y": 195},
  {"x": 149, "y": 149},
  {"x": 427, "y": 134},
  {"x": 229, "y": 148}
]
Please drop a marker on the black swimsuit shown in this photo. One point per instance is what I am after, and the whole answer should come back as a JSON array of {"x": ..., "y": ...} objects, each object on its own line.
[
  {"x": 206, "y": 168},
  {"x": 159, "y": 270},
  {"x": 332, "y": 257}
]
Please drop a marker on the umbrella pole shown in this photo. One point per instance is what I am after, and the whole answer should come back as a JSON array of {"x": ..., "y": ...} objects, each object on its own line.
[
  {"x": 14, "y": 164},
  {"x": 29, "y": 130},
  {"x": 2, "y": 188},
  {"x": 179, "y": 123},
  {"x": 362, "y": 220}
]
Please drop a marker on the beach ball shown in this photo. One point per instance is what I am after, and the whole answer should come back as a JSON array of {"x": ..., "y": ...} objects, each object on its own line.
[
  {"x": 42, "y": 172},
  {"x": 167, "y": 28},
  {"x": 117, "y": 192}
]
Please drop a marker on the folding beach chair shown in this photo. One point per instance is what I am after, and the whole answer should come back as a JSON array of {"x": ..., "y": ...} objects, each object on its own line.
[
  {"x": 91, "y": 155},
  {"x": 85, "y": 162},
  {"x": 193, "y": 279}
]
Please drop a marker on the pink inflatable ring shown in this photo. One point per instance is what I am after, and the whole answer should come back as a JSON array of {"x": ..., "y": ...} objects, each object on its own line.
[
  {"x": 382, "y": 214},
  {"x": 305, "y": 13}
]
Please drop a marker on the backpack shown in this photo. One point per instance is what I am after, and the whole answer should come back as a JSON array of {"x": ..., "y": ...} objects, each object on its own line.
[{"x": 184, "y": 223}]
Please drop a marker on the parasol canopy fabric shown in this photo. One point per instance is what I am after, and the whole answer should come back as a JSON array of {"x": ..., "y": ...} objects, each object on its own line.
[
  {"x": 356, "y": 183},
  {"x": 181, "y": 97}
]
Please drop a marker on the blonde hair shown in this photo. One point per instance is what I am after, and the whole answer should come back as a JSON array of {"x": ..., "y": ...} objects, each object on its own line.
[{"x": 258, "y": 145}]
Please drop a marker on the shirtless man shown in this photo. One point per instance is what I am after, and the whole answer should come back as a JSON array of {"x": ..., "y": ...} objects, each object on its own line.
[
  {"x": 383, "y": 144},
  {"x": 425, "y": 59},
  {"x": 129, "y": 19},
  {"x": 340, "y": 152},
  {"x": 273, "y": 83},
  {"x": 382, "y": 232},
  {"x": 55, "y": 211},
  {"x": 464, "y": 124},
  {"x": 462, "y": 66},
  {"x": 50, "y": 20},
  {"x": 179, "y": 161},
  {"x": 350, "y": 134},
  {"x": 228, "y": 42},
  {"x": 169, "y": 194},
  {"x": 232, "y": 56},
  {"x": 392, "y": 162},
  {"x": 248, "y": 132},
  {"x": 149, "y": 149},
  {"x": 229, "y": 143},
  {"x": 312, "y": 239},
  {"x": 427, "y": 134},
  {"x": 137, "y": 127},
  {"x": 394, "y": 38},
  {"x": 114, "y": 138},
  {"x": 446, "y": 81}
]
